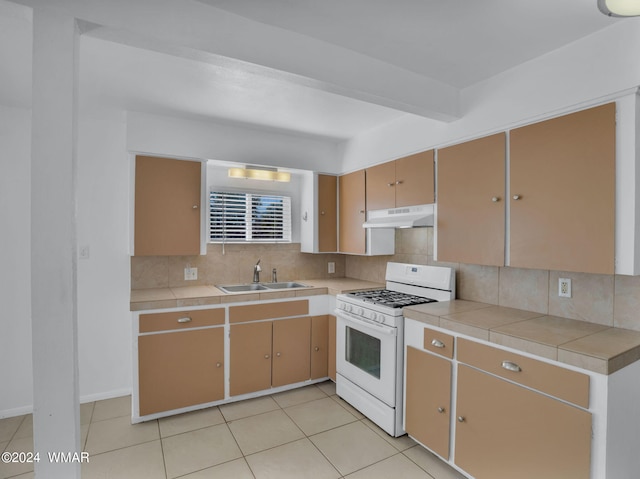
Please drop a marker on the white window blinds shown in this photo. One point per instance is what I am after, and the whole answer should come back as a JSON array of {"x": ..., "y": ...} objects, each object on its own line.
[{"x": 248, "y": 217}]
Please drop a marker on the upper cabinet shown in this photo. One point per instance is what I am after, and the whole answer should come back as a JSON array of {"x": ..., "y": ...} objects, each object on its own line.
[
  {"x": 167, "y": 207},
  {"x": 562, "y": 185},
  {"x": 471, "y": 203},
  {"x": 561, "y": 204},
  {"x": 407, "y": 181},
  {"x": 319, "y": 205},
  {"x": 352, "y": 236}
]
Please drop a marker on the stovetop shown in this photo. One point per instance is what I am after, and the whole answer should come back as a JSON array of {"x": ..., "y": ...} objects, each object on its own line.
[{"x": 389, "y": 298}]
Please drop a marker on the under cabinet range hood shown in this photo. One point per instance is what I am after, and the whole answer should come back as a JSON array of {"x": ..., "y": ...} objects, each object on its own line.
[{"x": 405, "y": 217}]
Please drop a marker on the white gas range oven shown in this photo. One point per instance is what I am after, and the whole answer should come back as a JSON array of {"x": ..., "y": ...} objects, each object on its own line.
[{"x": 370, "y": 339}]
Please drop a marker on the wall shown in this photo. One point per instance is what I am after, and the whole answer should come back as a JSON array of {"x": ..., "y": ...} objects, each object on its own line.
[
  {"x": 15, "y": 261},
  {"x": 612, "y": 300}
]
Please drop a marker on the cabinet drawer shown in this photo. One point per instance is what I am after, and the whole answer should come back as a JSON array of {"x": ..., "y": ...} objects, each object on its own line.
[
  {"x": 562, "y": 383},
  {"x": 439, "y": 343},
  {"x": 181, "y": 320},
  {"x": 256, "y": 312}
]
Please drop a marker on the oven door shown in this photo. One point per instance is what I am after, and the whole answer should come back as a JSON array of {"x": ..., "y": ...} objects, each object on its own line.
[{"x": 366, "y": 355}]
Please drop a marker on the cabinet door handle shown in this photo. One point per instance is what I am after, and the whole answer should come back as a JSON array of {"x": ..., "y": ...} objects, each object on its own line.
[
  {"x": 361, "y": 212},
  {"x": 278, "y": 355},
  {"x": 399, "y": 182},
  {"x": 266, "y": 356},
  {"x": 441, "y": 409},
  {"x": 509, "y": 366},
  {"x": 184, "y": 320},
  {"x": 390, "y": 184},
  {"x": 461, "y": 419},
  {"x": 195, "y": 207},
  {"x": 495, "y": 199},
  {"x": 316, "y": 348},
  {"x": 218, "y": 365},
  {"x": 322, "y": 212},
  {"x": 437, "y": 343},
  {"x": 516, "y": 197}
]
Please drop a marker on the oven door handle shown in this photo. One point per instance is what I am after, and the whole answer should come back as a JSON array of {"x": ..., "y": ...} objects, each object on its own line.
[{"x": 366, "y": 324}]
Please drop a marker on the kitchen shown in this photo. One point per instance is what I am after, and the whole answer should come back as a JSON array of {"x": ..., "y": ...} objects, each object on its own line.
[{"x": 543, "y": 87}]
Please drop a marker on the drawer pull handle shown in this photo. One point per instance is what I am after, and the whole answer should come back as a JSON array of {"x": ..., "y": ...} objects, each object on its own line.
[
  {"x": 437, "y": 343},
  {"x": 509, "y": 366},
  {"x": 218, "y": 365},
  {"x": 184, "y": 320},
  {"x": 441, "y": 409},
  {"x": 461, "y": 419}
]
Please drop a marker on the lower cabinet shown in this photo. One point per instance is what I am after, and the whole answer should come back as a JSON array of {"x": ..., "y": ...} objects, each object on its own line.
[
  {"x": 428, "y": 400},
  {"x": 269, "y": 353},
  {"x": 331, "y": 360},
  {"x": 319, "y": 346},
  {"x": 180, "y": 369},
  {"x": 505, "y": 431}
]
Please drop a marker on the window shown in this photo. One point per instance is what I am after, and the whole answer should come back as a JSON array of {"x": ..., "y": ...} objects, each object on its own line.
[{"x": 248, "y": 217}]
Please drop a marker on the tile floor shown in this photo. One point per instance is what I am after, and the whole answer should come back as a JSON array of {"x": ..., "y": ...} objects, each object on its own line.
[{"x": 304, "y": 433}]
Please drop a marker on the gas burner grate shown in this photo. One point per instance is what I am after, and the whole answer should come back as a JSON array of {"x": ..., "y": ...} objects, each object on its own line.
[{"x": 392, "y": 299}]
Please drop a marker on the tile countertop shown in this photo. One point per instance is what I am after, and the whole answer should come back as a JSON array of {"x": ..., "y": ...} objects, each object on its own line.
[
  {"x": 145, "y": 299},
  {"x": 589, "y": 346}
]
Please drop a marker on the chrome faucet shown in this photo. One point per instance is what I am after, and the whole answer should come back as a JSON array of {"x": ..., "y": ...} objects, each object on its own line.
[
  {"x": 256, "y": 272},
  {"x": 274, "y": 276}
]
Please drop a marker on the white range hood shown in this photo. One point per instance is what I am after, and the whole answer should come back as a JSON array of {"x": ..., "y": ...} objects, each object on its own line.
[{"x": 405, "y": 217}]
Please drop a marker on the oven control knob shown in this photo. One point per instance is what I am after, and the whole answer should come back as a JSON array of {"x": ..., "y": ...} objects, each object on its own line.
[
  {"x": 360, "y": 312},
  {"x": 349, "y": 308},
  {"x": 374, "y": 316}
]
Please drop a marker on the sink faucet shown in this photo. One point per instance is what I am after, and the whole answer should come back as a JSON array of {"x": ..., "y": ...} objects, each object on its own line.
[
  {"x": 274, "y": 276},
  {"x": 256, "y": 272}
]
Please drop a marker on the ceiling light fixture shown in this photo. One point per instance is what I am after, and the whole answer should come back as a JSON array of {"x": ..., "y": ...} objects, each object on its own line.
[
  {"x": 260, "y": 173},
  {"x": 619, "y": 8}
]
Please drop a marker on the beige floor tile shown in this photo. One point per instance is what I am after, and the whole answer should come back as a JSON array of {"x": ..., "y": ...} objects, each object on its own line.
[
  {"x": 143, "y": 461},
  {"x": 395, "y": 466},
  {"x": 299, "y": 459},
  {"x": 200, "y": 449},
  {"x": 86, "y": 411},
  {"x": 190, "y": 421},
  {"x": 26, "y": 428},
  {"x": 348, "y": 407},
  {"x": 111, "y": 408},
  {"x": 401, "y": 443},
  {"x": 117, "y": 433},
  {"x": 298, "y": 396},
  {"x": 24, "y": 444},
  {"x": 9, "y": 426},
  {"x": 353, "y": 447},
  {"x": 28, "y": 475},
  {"x": 237, "y": 469},
  {"x": 264, "y": 431},
  {"x": 320, "y": 415},
  {"x": 436, "y": 467},
  {"x": 249, "y": 407},
  {"x": 328, "y": 387}
]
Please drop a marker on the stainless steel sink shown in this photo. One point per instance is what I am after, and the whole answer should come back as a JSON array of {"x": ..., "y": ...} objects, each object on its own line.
[
  {"x": 285, "y": 285},
  {"x": 239, "y": 288}
]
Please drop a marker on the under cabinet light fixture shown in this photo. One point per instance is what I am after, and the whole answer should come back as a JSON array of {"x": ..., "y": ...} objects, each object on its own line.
[
  {"x": 619, "y": 8},
  {"x": 260, "y": 173}
]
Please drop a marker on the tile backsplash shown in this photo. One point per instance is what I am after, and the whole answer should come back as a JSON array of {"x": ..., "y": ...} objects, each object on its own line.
[{"x": 609, "y": 300}]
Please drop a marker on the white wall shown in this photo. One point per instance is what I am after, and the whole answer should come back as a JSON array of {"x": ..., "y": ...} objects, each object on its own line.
[
  {"x": 104, "y": 320},
  {"x": 15, "y": 262},
  {"x": 580, "y": 74}
]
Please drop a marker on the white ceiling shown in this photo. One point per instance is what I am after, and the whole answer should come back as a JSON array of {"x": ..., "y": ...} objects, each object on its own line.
[{"x": 243, "y": 78}]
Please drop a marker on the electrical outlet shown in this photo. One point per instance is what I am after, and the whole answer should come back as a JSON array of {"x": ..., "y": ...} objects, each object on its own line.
[
  {"x": 190, "y": 274},
  {"x": 331, "y": 267},
  {"x": 564, "y": 287}
]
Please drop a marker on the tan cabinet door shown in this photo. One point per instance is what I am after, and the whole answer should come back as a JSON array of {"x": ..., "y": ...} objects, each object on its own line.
[
  {"x": 352, "y": 236},
  {"x": 319, "y": 346},
  {"x": 428, "y": 400},
  {"x": 563, "y": 192},
  {"x": 167, "y": 207},
  {"x": 332, "y": 347},
  {"x": 471, "y": 203},
  {"x": 250, "y": 348},
  {"x": 327, "y": 213},
  {"x": 381, "y": 186},
  {"x": 415, "y": 179},
  {"x": 507, "y": 431},
  {"x": 291, "y": 351},
  {"x": 180, "y": 369}
]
